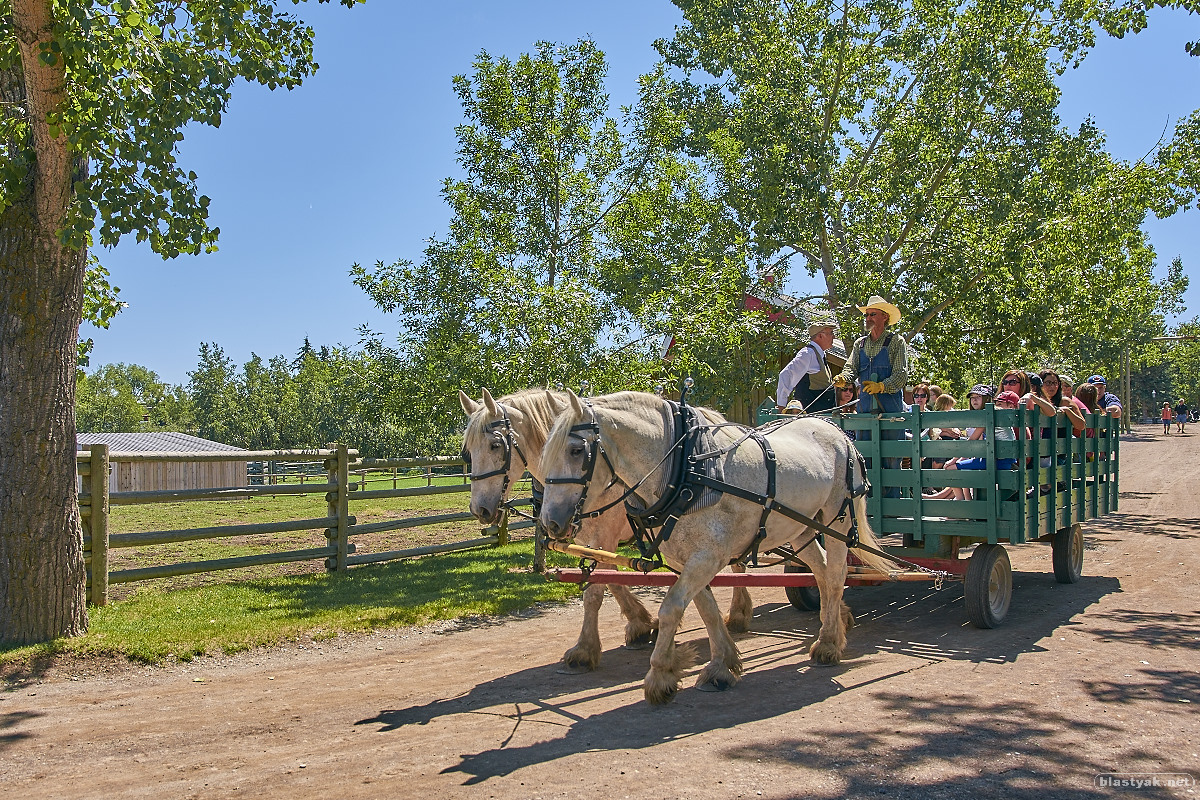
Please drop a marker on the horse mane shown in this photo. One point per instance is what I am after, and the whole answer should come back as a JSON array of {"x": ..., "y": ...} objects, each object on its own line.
[
  {"x": 559, "y": 434},
  {"x": 539, "y": 411}
]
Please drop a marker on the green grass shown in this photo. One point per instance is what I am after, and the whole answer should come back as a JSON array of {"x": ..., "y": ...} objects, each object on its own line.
[
  {"x": 154, "y": 626},
  {"x": 235, "y": 610},
  {"x": 274, "y": 508}
]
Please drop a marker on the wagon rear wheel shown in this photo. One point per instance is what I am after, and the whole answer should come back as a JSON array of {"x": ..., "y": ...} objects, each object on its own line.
[
  {"x": 1068, "y": 554},
  {"x": 805, "y": 598},
  {"x": 987, "y": 587}
]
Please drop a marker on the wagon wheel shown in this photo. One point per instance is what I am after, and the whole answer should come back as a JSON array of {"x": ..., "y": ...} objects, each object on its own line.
[
  {"x": 987, "y": 587},
  {"x": 1068, "y": 554},
  {"x": 805, "y": 598}
]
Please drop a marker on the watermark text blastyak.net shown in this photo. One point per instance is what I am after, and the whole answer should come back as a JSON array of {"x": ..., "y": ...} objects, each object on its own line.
[{"x": 1145, "y": 780}]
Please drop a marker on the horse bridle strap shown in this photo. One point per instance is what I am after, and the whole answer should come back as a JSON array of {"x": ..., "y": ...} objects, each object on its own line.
[
  {"x": 593, "y": 448},
  {"x": 503, "y": 427}
]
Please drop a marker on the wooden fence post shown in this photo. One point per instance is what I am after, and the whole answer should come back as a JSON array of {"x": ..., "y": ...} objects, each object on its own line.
[
  {"x": 338, "y": 503},
  {"x": 539, "y": 552},
  {"x": 98, "y": 522}
]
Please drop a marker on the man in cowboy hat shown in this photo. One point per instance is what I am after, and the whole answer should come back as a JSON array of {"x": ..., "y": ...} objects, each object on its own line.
[
  {"x": 879, "y": 362},
  {"x": 807, "y": 374}
]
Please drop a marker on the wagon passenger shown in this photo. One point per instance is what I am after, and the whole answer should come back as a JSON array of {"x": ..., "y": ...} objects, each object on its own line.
[
  {"x": 1106, "y": 399},
  {"x": 1015, "y": 380},
  {"x": 879, "y": 363},
  {"x": 807, "y": 374},
  {"x": 1003, "y": 433},
  {"x": 976, "y": 399},
  {"x": 1047, "y": 396}
]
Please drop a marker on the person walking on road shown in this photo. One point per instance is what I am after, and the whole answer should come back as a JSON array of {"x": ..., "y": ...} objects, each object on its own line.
[
  {"x": 1167, "y": 416},
  {"x": 1181, "y": 415}
]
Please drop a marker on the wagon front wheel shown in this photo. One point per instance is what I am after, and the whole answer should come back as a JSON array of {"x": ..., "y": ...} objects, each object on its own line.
[
  {"x": 987, "y": 586},
  {"x": 1067, "y": 548},
  {"x": 805, "y": 598}
]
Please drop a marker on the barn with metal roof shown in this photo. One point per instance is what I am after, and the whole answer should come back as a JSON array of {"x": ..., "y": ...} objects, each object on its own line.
[{"x": 144, "y": 476}]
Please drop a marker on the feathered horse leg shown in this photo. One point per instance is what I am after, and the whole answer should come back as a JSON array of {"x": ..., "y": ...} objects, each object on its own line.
[
  {"x": 724, "y": 668},
  {"x": 640, "y": 627},
  {"x": 741, "y": 609},
  {"x": 585, "y": 654},
  {"x": 669, "y": 661}
]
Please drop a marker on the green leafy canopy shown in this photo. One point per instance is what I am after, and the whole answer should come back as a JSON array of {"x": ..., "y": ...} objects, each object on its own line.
[{"x": 136, "y": 72}]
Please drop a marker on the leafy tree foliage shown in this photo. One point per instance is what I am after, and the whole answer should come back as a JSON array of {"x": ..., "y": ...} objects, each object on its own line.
[
  {"x": 916, "y": 153},
  {"x": 511, "y": 297},
  {"x": 126, "y": 398}
]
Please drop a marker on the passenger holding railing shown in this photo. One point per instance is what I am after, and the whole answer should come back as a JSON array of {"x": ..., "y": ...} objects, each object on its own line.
[
  {"x": 1104, "y": 398},
  {"x": 1047, "y": 397}
]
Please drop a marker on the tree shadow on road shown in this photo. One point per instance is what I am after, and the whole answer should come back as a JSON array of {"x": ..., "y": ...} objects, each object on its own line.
[
  {"x": 921, "y": 625},
  {"x": 1119, "y": 525}
]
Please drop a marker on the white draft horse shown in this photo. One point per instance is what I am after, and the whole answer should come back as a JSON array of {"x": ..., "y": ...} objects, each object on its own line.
[
  {"x": 504, "y": 438},
  {"x": 627, "y": 435}
]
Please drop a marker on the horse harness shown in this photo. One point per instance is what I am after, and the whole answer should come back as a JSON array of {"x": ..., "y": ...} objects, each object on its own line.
[{"x": 695, "y": 480}]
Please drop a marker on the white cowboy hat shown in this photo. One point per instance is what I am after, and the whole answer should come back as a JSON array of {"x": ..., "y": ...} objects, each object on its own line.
[{"x": 880, "y": 304}]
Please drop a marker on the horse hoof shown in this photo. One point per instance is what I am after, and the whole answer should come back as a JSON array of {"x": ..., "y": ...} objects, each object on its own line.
[
  {"x": 643, "y": 641},
  {"x": 714, "y": 685},
  {"x": 825, "y": 654},
  {"x": 573, "y": 669},
  {"x": 661, "y": 698}
]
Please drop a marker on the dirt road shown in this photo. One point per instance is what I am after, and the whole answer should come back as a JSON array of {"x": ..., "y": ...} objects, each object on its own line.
[{"x": 1102, "y": 676}]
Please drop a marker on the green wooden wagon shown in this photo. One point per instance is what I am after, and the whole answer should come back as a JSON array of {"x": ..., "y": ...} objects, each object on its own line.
[{"x": 1059, "y": 481}]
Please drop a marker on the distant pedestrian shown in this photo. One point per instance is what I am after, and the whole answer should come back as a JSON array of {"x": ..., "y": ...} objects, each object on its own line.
[
  {"x": 1181, "y": 414},
  {"x": 1166, "y": 418}
]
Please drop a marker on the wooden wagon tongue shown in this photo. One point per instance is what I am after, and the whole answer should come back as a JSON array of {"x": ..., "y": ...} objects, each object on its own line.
[
  {"x": 857, "y": 573},
  {"x": 603, "y": 556}
]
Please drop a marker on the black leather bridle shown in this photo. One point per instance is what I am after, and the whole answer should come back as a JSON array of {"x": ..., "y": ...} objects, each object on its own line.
[
  {"x": 503, "y": 430},
  {"x": 592, "y": 447}
]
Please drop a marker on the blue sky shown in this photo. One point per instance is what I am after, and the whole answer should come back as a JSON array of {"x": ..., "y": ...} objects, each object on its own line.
[{"x": 348, "y": 167}]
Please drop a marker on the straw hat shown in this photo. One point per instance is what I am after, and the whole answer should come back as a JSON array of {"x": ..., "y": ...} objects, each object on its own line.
[
  {"x": 818, "y": 326},
  {"x": 880, "y": 304}
]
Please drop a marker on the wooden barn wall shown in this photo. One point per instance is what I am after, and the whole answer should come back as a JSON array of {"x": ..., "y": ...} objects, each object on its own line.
[{"x": 147, "y": 476}]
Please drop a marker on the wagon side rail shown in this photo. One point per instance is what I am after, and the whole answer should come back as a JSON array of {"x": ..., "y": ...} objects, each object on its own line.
[{"x": 1058, "y": 479}]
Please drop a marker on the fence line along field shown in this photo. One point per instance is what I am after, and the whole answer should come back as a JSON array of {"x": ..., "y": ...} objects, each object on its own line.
[{"x": 284, "y": 520}]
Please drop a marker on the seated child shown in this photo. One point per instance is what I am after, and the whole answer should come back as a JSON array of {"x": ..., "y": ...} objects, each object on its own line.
[{"x": 1004, "y": 400}]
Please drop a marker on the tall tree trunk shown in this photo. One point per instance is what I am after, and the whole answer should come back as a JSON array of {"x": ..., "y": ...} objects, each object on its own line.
[{"x": 42, "y": 577}]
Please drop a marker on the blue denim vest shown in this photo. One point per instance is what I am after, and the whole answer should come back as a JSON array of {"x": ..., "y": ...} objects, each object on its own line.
[{"x": 878, "y": 368}]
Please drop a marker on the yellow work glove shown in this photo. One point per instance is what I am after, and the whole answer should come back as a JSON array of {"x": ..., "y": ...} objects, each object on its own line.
[
  {"x": 872, "y": 387},
  {"x": 840, "y": 382}
]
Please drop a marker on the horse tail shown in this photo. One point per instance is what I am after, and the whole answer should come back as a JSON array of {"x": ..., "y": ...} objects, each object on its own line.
[
  {"x": 867, "y": 537},
  {"x": 858, "y": 489}
]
